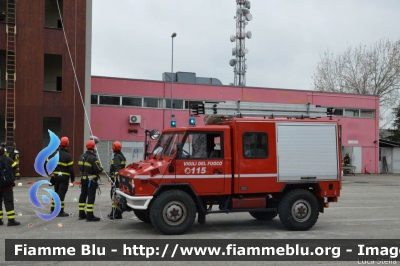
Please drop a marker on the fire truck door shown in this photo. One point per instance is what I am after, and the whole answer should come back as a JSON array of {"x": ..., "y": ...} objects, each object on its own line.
[
  {"x": 255, "y": 146},
  {"x": 201, "y": 162}
]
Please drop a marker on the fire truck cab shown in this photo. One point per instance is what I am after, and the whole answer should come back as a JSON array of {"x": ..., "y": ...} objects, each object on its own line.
[{"x": 263, "y": 166}]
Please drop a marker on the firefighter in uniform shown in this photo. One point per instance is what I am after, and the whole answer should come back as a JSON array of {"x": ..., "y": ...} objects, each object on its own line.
[
  {"x": 6, "y": 193},
  {"x": 90, "y": 167},
  {"x": 117, "y": 163},
  {"x": 12, "y": 152},
  {"x": 62, "y": 173},
  {"x": 3, "y": 144},
  {"x": 14, "y": 155}
]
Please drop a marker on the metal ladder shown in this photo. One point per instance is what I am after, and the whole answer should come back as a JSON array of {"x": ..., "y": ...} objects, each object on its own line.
[
  {"x": 242, "y": 109},
  {"x": 11, "y": 30}
]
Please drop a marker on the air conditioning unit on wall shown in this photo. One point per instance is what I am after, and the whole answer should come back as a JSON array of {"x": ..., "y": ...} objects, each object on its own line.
[{"x": 135, "y": 119}]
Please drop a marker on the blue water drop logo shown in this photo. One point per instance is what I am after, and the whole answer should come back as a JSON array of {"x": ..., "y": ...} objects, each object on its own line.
[
  {"x": 45, "y": 153},
  {"x": 51, "y": 164},
  {"x": 35, "y": 201}
]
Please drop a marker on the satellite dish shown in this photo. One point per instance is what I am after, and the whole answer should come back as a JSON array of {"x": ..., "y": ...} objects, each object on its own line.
[
  {"x": 248, "y": 34},
  {"x": 232, "y": 62},
  {"x": 249, "y": 17},
  {"x": 246, "y": 51},
  {"x": 247, "y": 4},
  {"x": 233, "y": 51},
  {"x": 245, "y": 11},
  {"x": 233, "y": 38},
  {"x": 239, "y": 11}
]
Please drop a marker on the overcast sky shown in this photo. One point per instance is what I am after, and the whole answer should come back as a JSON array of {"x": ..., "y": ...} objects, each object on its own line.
[{"x": 132, "y": 38}]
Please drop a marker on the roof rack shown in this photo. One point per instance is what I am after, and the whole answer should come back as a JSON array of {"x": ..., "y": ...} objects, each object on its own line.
[{"x": 242, "y": 109}]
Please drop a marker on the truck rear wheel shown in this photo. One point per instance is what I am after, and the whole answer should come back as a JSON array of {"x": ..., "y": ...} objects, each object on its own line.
[
  {"x": 142, "y": 216},
  {"x": 298, "y": 210},
  {"x": 173, "y": 212},
  {"x": 264, "y": 216}
]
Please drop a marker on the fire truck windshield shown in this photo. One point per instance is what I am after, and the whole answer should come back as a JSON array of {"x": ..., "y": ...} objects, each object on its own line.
[{"x": 166, "y": 145}]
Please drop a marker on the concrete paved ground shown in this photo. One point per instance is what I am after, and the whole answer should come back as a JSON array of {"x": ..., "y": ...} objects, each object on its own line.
[{"x": 367, "y": 209}]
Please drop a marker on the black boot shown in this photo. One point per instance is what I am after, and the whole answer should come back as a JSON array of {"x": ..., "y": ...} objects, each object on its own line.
[
  {"x": 12, "y": 222},
  {"x": 111, "y": 213},
  {"x": 1, "y": 222},
  {"x": 62, "y": 214},
  {"x": 117, "y": 215},
  {"x": 82, "y": 215},
  {"x": 91, "y": 218}
]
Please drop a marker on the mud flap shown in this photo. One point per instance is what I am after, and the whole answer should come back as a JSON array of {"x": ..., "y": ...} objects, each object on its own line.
[
  {"x": 201, "y": 217},
  {"x": 321, "y": 204}
]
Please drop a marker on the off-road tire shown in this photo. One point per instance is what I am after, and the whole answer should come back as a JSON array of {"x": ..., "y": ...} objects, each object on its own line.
[
  {"x": 298, "y": 210},
  {"x": 142, "y": 216},
  {"x": 173, "y": 212},
  {"x": 264, "y": 216}
]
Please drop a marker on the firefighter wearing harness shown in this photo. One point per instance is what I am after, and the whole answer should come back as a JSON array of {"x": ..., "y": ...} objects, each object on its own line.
[
  {"x": 61, "y": 175},
  {"x": 117, "y": 163},
  {"x": 90, "y": 167}
]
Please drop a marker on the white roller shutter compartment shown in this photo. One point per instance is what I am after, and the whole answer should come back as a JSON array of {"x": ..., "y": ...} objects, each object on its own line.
[{"x": 307, "y": 152}]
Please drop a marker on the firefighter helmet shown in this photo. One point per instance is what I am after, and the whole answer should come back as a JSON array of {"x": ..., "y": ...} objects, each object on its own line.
[
  {"x": 64, "y": 142},
  {"x": 116, "y": 146},
  {"x": 90, "y": 145}
]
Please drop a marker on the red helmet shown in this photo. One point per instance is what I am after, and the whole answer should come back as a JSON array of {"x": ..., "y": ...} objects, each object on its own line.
[
  {"x": 64, "y": 142},
  {"x": 116, "y": 146},
  {"x": 90, "y": 145}
]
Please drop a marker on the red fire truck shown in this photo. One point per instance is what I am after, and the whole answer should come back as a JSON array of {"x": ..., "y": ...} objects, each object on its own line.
[{"x": 245, "y": 159}]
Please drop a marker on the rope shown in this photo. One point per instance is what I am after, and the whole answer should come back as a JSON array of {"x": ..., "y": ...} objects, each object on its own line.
[{"x": 83, "y": 103}]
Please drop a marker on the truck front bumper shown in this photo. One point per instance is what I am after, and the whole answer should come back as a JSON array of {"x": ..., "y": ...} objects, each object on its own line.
[{"x": 137, "y": 203}]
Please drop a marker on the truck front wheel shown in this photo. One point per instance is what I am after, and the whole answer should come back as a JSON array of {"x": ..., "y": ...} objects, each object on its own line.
[
  {"x": 142, "y": 216},
  {"x": 173, "y": 212},
  {"x": 298, "y": 210}
]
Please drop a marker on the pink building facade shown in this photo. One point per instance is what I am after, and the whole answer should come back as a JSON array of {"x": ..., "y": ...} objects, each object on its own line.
[{"x": 115, "y": 100}]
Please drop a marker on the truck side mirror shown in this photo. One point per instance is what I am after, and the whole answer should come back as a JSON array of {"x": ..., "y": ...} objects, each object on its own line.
[{"x": 154, "y": 134}]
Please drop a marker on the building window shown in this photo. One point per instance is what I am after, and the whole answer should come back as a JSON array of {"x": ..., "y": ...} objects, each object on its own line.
[
  {"x": 255, "y": 145},
  {"x": 338, "y": 112},
  {"x": 367, "y": 113},
  {"x": 94, "y": 99},
  {"x": 53, "y": 124},
  {"x": 177, "y": 104},
  {"x": 2, "y": 129},
  {"x": 52, "y": 72},
  {"x": 129, "y": 101},
  {"x": 188, "y": 103},
  {"x": 52, "y": 16},
  {"x": 151, "y": 102},
  {"x": 352, "y": 112},
  {"x": 110, "y": 100}
]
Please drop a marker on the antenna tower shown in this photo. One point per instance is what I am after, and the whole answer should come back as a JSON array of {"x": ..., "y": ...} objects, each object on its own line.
[{"x": 239, "y": 63}]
